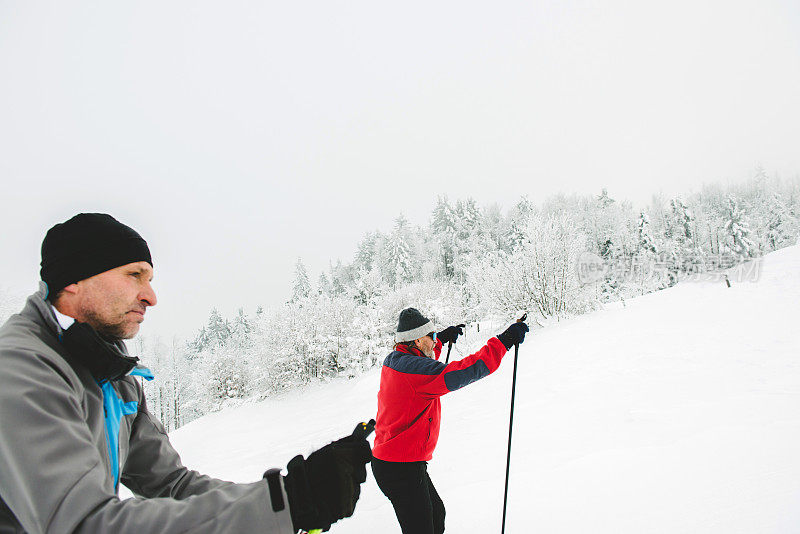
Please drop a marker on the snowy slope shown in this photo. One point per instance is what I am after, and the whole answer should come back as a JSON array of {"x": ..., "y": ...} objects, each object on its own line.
[{"x": 677, "y": 413}]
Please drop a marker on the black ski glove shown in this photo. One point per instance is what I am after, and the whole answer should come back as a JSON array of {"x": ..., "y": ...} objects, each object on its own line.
[
  {"x": 514, "y": 335},
  {"x": 324, "y": 488},
  {"x": 451, "y": 333}
]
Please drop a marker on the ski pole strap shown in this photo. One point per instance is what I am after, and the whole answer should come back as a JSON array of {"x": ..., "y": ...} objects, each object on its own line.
[{"x": 273, "y": 478}]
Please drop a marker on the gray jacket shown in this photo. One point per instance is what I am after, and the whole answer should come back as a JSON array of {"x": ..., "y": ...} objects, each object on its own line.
[{"x": 57, "y": 472}]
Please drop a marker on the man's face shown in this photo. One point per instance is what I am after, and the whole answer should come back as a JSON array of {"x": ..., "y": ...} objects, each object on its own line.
[
  {"x": 114, "y": 302},
  {"x": 426, "y": 344}
]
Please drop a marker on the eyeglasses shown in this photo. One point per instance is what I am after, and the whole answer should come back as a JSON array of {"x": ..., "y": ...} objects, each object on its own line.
[{"x": 432, "y": 335}]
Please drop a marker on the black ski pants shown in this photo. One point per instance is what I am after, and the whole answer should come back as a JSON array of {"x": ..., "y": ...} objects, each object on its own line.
[{"x": 416, "y": 503}]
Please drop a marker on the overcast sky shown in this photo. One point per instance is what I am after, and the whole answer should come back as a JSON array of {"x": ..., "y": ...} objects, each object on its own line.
[{"x": 236, "y": 136}]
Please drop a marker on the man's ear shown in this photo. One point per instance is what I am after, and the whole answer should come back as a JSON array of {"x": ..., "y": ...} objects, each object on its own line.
[{"x": 72, "y": 288}]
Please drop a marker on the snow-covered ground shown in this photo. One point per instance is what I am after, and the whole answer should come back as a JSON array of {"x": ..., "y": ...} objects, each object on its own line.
[{"x": 677, "y": 413}]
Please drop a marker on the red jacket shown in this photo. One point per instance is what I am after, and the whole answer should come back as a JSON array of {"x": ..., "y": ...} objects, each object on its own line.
[{"x": 409, "y": 409}]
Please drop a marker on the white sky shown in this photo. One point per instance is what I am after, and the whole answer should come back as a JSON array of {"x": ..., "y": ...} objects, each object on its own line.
[{"x": 236, "y": 136}]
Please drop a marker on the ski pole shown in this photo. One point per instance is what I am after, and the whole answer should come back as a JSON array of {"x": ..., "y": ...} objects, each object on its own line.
[
  {"x": 362, "y": 431},
  {"x": 511, "y": 425}
]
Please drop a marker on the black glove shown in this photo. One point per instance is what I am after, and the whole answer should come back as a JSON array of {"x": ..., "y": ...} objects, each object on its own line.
[
  {"x": 514, "y": 335},
  {"x": 451, "y": 333},
  {"x": 324, "y": 488}
]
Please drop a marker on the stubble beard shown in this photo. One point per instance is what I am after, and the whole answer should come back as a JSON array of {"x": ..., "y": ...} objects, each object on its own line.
[{"x": 110, "y": 331}]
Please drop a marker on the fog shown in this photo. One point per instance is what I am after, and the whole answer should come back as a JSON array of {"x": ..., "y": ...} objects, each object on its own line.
[{"x": 238, "y": 137}]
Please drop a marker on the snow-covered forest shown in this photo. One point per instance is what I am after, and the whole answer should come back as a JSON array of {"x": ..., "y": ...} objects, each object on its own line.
[
  {"x": 471, "y": 262},
  {"x": 673, "y": 414}
]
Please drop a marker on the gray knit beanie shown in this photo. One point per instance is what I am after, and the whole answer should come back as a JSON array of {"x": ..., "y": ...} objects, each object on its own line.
[{"x": 412, "y": 325}]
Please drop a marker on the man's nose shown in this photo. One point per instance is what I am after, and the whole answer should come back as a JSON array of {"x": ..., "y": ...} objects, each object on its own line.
[{"x": 148, "y": 295}]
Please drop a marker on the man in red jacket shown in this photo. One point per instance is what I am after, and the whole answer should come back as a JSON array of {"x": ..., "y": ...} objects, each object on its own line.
[{"x": 409, "y": 412}]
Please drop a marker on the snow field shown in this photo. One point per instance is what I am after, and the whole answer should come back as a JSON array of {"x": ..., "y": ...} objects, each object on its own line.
[{"x": 677, "y": 412}]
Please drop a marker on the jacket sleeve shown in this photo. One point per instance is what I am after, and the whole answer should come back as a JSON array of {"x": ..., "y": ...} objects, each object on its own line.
[
  {"x": 53, "y": 479},
  {"x": 154, "y": 468},
  {"x": 433, "y": 378}
]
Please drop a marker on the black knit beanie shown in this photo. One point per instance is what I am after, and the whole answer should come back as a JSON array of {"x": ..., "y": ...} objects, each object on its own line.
[
  {"x": 86, "y": 245},
  {"x": 412, "y": 325}
]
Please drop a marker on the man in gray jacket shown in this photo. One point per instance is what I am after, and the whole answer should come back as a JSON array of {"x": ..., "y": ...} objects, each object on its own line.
[{"x": 74, "y": 422}]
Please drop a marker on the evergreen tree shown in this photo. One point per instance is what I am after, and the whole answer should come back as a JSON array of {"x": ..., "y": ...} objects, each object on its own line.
[
  {"x": 301, "y": 288},
  {"x": 214, "y": 334},
  {"x": 644, "y": 275},
  {"x": 684, "y": 252},
  {"x": 444, "y": 227},
  {"x": 341, "y": 277},
  {"x": 366, "y": 252},
  {"x": 683, "y": 220},
  {"x": 646, "y": 241},
  {"x": 779, "y": 227},
  {"x": 325, "y": 286},
  {"x": 516, "y": 235},
  {"x": 606, "y": 225},
  {"x": 443, "y": 219},
  {"x": 738, "y": 231},
  {"x": 492, "y": 225},
  {"x": 468, "y": 216},
  {"x": 469, "y": 239},
  {"x": 367, "y": 287},
  {"x": 241, "y": 324},
  {"x": 604, "y": 200},
  {"x": 399, "y": 266}
]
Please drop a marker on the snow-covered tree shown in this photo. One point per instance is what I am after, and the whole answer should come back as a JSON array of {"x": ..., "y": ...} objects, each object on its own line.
[
  {"x": 367, "y": 287},
  {"x": 216, "y": 331},
  {"x": 341, "y": 277},
  {"x": 444, "y": 227},
  {"x": 539, "y": 275},
  {"x": 681, "y": 238},
  {"x": 227, "y": 375},
  {"x": 683, "y": 220},
  {"x": 781, "y": 228},
  {"x": 443, "y": 218},
  {"x": 324, "y": 286},
  {"x": 468, "y": 264},
  {"x": 301, "y": 287},
  {"x": 738, "y": 231},
  {"x": 644, "y": 233},
  {"x": 366, "y": 252},
  {"x": 518, "y": 218},
  {"x": 241, "y": 326},
  {"x": 398, "y": 265},
  {"x": 468, "y": 216}
]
